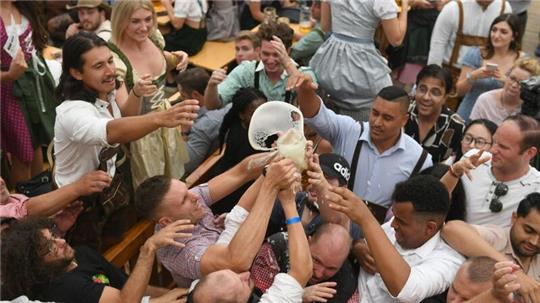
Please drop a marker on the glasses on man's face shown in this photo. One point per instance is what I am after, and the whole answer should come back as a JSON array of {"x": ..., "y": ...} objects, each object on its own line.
[
  {"x": 496, "y": 205},
  {"x": 478, "y": 142},
  {"x": 435, "y": 92}
]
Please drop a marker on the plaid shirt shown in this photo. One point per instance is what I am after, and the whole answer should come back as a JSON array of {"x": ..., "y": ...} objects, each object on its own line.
[
  {"x": 443, "y": 139},
  {"x": 184, "y": 263},
  {"x": 265, "y": 268}
]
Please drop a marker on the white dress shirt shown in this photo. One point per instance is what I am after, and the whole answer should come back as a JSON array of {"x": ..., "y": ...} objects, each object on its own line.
[
  {"x": 433, "y": 267},
  {"x": 476, "y": 22},
  {"x": 285, "y": 289},
  {"x": 80, "y": 132}
]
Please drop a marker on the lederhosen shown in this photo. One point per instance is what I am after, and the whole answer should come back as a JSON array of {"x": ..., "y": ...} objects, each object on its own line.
[
  {"x": 463, "y": 40},
  {"x": 378, "y": 211},
  {"x": 256, "y": 85}
]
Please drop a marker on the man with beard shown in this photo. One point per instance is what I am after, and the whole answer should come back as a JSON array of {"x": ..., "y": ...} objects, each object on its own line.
[
  {"x": 40, "y": 265},
  {"x": 93, "y": 16},
  {"x": 520, "y": 242}
]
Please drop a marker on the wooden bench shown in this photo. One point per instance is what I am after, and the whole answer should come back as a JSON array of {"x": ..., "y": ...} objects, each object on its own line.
[{"x": 214, "y": 55}]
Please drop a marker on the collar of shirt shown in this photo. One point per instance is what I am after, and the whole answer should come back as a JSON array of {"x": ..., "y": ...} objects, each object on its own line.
[
  {"x": 102, "y": 105},
  {"x": 284, "y": 74},
  {"x": 422, "y": 251},
  {"x": 366, "y": 137},
  {"x": 442, "y": 121}
]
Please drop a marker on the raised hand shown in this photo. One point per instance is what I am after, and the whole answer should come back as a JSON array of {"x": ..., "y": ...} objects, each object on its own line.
[
  {"x": 343, "y": 200},
  {"x": 505, "y": 281},
  {"x": 282, "y": 174},
  {"x": 301, "y": 81},
  {"x": 217, "y": 77},
  {"x": 168, "y": 234},
  {"x": 183, "y": 113},
  {"x": 93, "y": 182},
  {"x": 18, "y": 66},
  {"x": 181, "y": 59},
  {"x": 529, "y": 288},
  {"x": 465, "y": 165}
]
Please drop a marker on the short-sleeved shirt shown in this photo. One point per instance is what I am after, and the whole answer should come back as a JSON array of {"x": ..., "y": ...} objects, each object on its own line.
[
  {"x": 488, "y": 106},
  {"x": 80, "y": 132},
  {"x": 192, "y": 10},
  {"x": 433, "y": 267},
  {"x": 481, "y": 190},
  {"x": 15, "y": 207},
  {"x": 443, "y": 139},
  {"x": 285, "y": 289},
  {"x": 244, "y": 76},
  {"x": 499, "y": 238},
  {"x": 376, "y": 174},
  {"x": 184, "y": 263},
  {"x": 86, "y": 282}
]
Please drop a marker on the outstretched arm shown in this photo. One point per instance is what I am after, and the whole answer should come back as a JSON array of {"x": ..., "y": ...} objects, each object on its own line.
[
  {"x": 393, "y": 269},
  {"x": 308, "y": 101},
  {"x": 50, "y": 203},
  {"x": 137, "y": 282},
  {"x": 301, "y": 264},
  {"x": 243, "y": 248}
]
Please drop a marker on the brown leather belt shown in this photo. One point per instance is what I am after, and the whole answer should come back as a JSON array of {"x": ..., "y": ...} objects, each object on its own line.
[{"x": 379, "y": 212}]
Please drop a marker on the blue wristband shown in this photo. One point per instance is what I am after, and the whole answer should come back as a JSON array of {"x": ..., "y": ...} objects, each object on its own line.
[{"x": 293, "y": 220}]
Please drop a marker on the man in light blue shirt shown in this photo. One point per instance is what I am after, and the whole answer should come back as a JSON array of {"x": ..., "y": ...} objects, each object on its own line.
[
  {"x": 269, "y": 75},
  {"x": 387, "y": 154}
]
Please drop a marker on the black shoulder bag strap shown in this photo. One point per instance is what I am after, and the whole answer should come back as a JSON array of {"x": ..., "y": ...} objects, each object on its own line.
[
  {"x": 256, "y": 76},
  {"x": 356, "y": 155},
  {"x": 419, "y": 164}
]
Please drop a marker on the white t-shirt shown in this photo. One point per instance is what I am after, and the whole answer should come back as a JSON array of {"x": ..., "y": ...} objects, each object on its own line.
[
  {"x": 190, "y": 9},
  {"x": 433, "y": 267},
  {"x": 80, "y": 132},
  {"x": 285, "y": 289},
  {"x": 481, "y": 190}
]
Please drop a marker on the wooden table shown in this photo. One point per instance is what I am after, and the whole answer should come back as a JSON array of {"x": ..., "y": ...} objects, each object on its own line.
[{"x": 214, "y": 55}]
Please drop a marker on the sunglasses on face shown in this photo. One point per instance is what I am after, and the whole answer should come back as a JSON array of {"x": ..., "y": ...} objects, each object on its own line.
[{"x": 496, "y": 205}]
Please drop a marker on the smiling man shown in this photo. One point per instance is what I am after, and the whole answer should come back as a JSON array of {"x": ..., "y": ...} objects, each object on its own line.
[
  {"x": 412, "y": 260},
  {"x": 495, "y": 188},
  {"x": 431, "y": 123},
  {"x": 92, "y": 18},
  {"x": 268, "y": 75},
  {"x": 387, "y": 155},
  {"x": 520, "y": 242}
]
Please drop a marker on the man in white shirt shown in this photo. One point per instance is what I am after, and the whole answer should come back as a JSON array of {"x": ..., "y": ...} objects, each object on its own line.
[
  {"x": 477, "y": 18},
  {"x": 412, "y": 260},
  {"x": 92, "y": 18},
  {"x": 495, "y": 188}
]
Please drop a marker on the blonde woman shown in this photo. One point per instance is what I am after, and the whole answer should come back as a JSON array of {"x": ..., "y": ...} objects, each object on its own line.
[
  {"x": 496, "y": 105},
  {"x": 139, "y": 58}
]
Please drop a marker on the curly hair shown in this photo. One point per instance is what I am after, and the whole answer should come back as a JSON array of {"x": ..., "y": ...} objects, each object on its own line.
[
  {"x": 24, "y": 271},
  {"x": 241, "y": 99},
  {"x": 426, "y": 193}
]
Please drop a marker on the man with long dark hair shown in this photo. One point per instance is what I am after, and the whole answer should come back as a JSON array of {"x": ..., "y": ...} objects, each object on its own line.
[{"x": 40, "y": 265}]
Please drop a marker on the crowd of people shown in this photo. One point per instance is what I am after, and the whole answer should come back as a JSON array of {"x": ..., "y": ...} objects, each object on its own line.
[{"x": 416, "y": 183}]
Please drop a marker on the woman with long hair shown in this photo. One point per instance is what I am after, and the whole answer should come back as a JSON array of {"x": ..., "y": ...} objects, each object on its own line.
[
  {"x": 477, "y": 134},
  {"x": 484, "y": 69},
  {"x": 139, "y": 57},
  {"x": 27, "y": 88}
]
